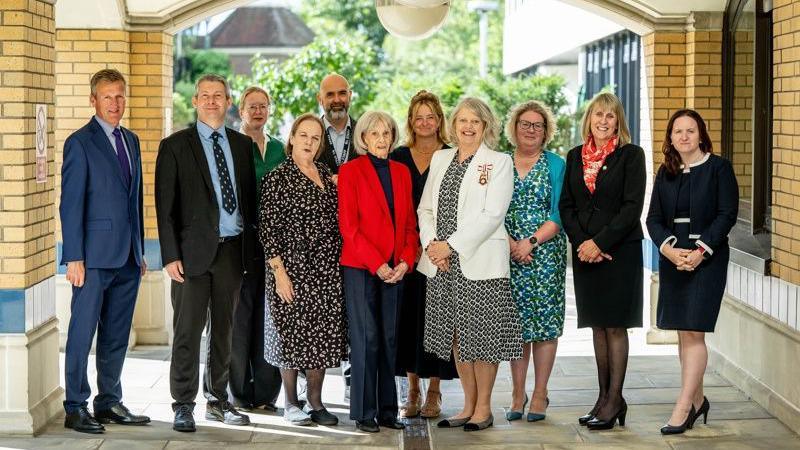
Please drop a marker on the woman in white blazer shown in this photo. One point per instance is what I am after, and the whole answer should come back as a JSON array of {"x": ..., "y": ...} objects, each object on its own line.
[{"x": 469, "y": 311}]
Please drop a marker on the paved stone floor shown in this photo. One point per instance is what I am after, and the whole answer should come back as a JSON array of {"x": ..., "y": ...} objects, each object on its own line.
[{"x": 651, "y": 386}]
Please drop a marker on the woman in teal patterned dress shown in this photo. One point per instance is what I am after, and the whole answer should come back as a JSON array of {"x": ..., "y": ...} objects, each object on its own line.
[{"x": 538, "y": 252}]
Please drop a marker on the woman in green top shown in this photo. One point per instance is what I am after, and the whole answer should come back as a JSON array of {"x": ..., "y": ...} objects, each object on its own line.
[
  {"x": 268, "y": 152},
  {"x": 253, "y": 382}
]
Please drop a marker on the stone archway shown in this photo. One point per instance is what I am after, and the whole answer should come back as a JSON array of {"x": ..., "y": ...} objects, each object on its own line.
[{"x": 50, "y": 50}]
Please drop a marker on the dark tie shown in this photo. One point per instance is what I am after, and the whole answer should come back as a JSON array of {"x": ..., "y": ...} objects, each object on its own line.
[
  {"x": 122, "y": 157},
  {"x": 228, "y": 198}
]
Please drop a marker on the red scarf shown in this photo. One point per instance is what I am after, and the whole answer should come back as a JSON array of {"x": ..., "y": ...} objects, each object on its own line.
[{"x": 593, "y": 159}]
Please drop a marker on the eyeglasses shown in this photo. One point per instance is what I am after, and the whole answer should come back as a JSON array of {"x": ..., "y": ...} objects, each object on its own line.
[
  {"x": 258, "y": 107},
  {"x": 525, "y": 125}
]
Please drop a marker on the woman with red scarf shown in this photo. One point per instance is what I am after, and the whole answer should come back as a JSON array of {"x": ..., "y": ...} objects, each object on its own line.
[{"x": 601, "y": 205}]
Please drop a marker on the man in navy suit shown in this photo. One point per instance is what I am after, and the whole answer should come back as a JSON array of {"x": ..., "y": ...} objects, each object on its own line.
[{"x": 103, "y": 232}]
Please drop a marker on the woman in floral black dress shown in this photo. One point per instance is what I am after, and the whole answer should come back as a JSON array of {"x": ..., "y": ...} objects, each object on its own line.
[{"x": 305, "y": 324}]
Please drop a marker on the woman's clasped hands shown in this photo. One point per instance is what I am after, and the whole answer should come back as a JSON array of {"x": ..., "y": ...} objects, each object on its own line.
[
  {"x": 439, "y": 253},
  {"x": 389, "y": 275},
  {"x": 684, "y": 259}
]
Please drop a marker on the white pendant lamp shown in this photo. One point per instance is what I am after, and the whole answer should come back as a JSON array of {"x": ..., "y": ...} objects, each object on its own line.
[{"x": 412, "y": 19}]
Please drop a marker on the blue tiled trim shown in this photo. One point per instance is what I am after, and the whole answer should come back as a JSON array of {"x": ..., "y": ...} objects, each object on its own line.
[
  {"x": 152, "y": 254},
  {"x": 12, "y": 310},
  {"x": 650, "y": 254}
]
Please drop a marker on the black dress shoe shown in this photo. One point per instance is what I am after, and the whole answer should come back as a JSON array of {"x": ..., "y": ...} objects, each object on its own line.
[
  {"x": 223, "y": 411},
  {"x": 120, "y": 414},
  {"x": 601, "y": 424},
  {"x": 368, "y": 426},
  {"x": 680, "y": 429},
  {"x": 82, "y": 420},
  {"x": 184, "y": 419},
  {"x": 392, "y": 423},
  {"x": 323, "y": 417}
]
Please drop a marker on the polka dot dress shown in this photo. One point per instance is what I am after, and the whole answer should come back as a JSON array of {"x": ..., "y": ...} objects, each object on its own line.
[
  {"x": 298, "y": 221},
  {"x": 479, "y": 314}
]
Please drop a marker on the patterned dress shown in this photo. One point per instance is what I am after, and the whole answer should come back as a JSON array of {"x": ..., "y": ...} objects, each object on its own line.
[
  {"x": 298, "y": 221},
  {"x": 538, "y": 287},
  {"x": 479, "y": 314}
]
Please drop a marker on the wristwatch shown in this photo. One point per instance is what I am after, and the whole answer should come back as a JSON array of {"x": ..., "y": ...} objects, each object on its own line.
[{"x": 534, "y": 242}]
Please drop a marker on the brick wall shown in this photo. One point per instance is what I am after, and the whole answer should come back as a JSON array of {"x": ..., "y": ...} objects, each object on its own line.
[
  {"x": 786, "y": 141},
  {"x": 26, "y": 79}
]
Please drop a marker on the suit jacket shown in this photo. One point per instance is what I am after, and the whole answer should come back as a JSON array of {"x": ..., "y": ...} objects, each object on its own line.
[
  {"x": 186, "y": 205},
  {"x": 327, "y": 156},
  {"x": 101, "y": 218},
  {"x": 612, "y": 214},
  {"x": 480, "y": 240},
  {"x": 714, "y": 205},
  {"x": 370, "y": 237}
]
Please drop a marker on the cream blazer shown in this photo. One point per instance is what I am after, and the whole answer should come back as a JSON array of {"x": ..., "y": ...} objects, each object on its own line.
[{"x": 480, "y": 238}]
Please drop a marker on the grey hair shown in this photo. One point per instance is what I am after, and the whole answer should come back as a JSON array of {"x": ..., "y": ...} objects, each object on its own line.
[
  {"x": 367, "y": 122},
  {"x": 213, "y": 78},
  {"x": 491, "y": 127},
  {"x": 522, "y": 108}
]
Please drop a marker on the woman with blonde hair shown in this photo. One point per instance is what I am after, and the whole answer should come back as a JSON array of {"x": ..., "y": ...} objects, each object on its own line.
[
  {"x": 601, "y": 206},
  {"x": 305, "y": 327},
  {"x": 469, "y": 311},
  {"x": 426, "y": 133},
  {"x": 538, "y": 252}
]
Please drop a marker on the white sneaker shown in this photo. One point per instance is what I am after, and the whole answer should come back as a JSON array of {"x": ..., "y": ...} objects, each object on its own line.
[{"x": 295, "y": 415}]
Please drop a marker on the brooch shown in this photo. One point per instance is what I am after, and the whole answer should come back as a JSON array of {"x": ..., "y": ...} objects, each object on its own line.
[{"x": 484, "y": 170}]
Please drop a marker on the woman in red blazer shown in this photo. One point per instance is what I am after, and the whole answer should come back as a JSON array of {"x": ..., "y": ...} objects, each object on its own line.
[{"x": 380, "y": 242}]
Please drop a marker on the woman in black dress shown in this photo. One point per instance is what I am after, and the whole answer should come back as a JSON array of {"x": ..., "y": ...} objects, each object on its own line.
[
  {"x": 425, "y": 128},
  {"x": 693, "y": 208},
  {"x": 601, "y": 204},
  {"x": 305, "y": 327}
]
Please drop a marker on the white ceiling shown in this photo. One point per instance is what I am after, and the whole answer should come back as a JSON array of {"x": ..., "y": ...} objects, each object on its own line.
[{"x": 174, "y": 15}]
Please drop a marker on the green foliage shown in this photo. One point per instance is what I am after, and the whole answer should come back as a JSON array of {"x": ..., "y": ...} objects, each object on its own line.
[
  {"x": 202, "y": 62},
  {"x": 502, "y": 93},
  {"x": 182, "y": 112},
  {"x": 333, "y": 17},
  {"x": 294, "y": 83}
]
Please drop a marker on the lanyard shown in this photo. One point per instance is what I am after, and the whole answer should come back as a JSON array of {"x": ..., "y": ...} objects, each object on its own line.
[{"x": 348, "y": 136}]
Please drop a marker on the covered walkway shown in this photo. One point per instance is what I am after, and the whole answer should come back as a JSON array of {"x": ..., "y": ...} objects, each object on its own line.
[{"x": 652, "y": 385}]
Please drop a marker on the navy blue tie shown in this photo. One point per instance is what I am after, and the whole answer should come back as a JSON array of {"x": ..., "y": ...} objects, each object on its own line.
[
  {"x": 122, "y": 157},
  {"x": 228, "y": 197}
]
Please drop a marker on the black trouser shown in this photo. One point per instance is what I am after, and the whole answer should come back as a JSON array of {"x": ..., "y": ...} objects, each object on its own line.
[
  {"x": 253, "y": 380},
  {"x": 373, "y": 310},
  {"x": 210, "y": 297}
]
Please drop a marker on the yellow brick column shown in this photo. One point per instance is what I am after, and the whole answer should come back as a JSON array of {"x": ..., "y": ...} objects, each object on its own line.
[
  {"x": 150, "y": 116},
  {"x": 665, "y": 61},
  {"x": 79, "y": 54},
  {"x": 786, "y": 141},
  {"x": 29, "y": 375}
]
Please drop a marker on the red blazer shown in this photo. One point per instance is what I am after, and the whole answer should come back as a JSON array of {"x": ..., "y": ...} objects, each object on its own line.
[{"x": 369, "y": 237}]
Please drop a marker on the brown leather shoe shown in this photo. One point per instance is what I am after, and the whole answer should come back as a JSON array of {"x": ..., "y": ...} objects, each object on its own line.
[
  {"x": 411, "y": 407},
  {"x": 433, "y": 405}
]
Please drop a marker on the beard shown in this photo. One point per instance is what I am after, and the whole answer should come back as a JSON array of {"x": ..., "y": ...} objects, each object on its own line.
[{"x": 336, "y": 112}]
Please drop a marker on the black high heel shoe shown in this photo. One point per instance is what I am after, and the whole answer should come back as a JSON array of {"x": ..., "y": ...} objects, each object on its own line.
[
  {"x": 599, "y": 424},
  {"x": 584, "y": 419},
  {"x": 702, "y": 411},
  {"x": 680, "y": 429}
]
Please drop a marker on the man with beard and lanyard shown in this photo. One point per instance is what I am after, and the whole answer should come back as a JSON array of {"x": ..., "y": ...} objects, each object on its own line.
[{"x": 334, "y": 98}]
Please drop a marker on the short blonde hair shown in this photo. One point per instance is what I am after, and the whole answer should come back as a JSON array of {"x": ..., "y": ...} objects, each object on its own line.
[
  {"x": 300, "y": 119},
  {"x": 491, "y": 127},
  {"x": 522, "y": 108},
  {"x": 251, "y": 90},
  {"x": 368, "y": 121},
  {"x": 430, "y": 100},
  {"x": 606, "y": 101}
]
